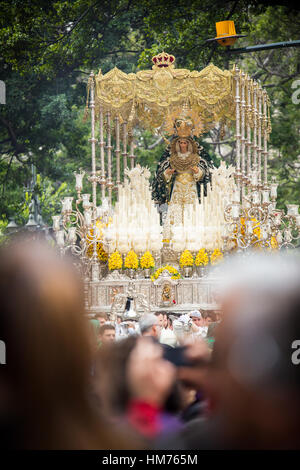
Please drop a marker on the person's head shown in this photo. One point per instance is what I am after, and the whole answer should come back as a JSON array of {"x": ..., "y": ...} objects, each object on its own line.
[
  {"x": 107, "y": 333},
  {"x": 160, "y": 318},
  {"x": 218, "y": 315},
  {"x": 49, "y": 350},
  {"x": 196, "y": 317},
  {"x": 165, "y": 322},
  {"x": 253, "y": 382},
  {"x": 149, "y": 325},
  {"x": 183, "y": 145},
  {"x": 102, "y": 318},
  {"x": 209, "y": 317},
  {"x": 170, "y": 323}
]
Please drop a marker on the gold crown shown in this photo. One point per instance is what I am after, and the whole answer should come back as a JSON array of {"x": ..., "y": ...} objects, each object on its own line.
[
  {"x": 184, "y": 128},
  {"x": 163, "y": 60},
  {"x": 185, "y": 121}
]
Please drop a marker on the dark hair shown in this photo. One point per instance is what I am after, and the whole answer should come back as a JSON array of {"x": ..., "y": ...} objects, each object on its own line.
[
  {"x": 102, "y": 315},
  {"x": 107, "y": 326},
  {"x": 162, "y": 312},
  {"x": 110, "y": 375},
  {"x": 212, "y": 315}
]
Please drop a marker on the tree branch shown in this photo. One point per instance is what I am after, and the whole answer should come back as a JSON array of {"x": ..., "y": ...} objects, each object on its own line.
[
  {"x": 68, "y": 32},
  {"x": 155, "y": 144},
  {"x": 13, "y": 138},
  {"x": 220, "y": 142}
]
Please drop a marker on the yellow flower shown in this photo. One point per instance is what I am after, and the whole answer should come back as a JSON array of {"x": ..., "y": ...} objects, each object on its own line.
[
  {"x": 216, "y": 257},
  {"x": 147, "y": 260},
  {"x": 242, "y": 231},
  {"x": 115, "y": 261},
  {"x": 131, "y": 260},
  {"x": 186, "y": 259},
  {"x": 274, "y": 243},
  {"x": 101, "y": 253},
  {"x": 171, "y": 269},
  {"x": 201, "y": 258}
]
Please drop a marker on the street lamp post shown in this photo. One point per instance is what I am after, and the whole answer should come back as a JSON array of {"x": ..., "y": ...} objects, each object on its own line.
[{"x": 226, "y": 37}]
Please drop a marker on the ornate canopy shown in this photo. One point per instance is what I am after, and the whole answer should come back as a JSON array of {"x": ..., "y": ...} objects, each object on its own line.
[{"x": 148, "y": 97}]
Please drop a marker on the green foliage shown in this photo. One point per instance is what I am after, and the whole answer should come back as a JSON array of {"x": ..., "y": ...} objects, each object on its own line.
[{"x": 49, "y": 47}]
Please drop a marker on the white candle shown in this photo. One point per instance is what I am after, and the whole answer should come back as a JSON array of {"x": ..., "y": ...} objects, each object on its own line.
[
  {"x": 60, "y": 238},
  {"x": 85, "y": 201},
  {"x": 279, "y": 238},
  {"x": 265, "y": 196},
  {"x": 56, "y": 222},
  {"x": 256, "y": 197},
  {"x": 249, "y": 227},
  {"x": 72, "y": 235},
  {"x": 292, "y": 209},
  {"x": 236, "y": 196},
  {"x": 79, "y": 177},
  {"x": 287, "y": 235},
  {"x": 88, "y": 217},
  {"x": 274, "y": 190},
  {"x": 254, "y": 179},
  {"x": 235, "y": 211}
]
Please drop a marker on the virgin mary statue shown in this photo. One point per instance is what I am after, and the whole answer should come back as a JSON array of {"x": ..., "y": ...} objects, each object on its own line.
[{"x": 182, "y": 169}]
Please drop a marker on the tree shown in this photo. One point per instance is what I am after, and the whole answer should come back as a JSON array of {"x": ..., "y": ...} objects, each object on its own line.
[{"x": 48, "y": 49}]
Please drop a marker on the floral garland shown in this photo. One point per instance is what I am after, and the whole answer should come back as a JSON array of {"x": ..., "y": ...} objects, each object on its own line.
[
  {"x": 202, "y": 258},
  {"x": 131, "y": 260},
  {"x": 174, "y": 273},
  {"x": 216, "y": 257},
  {"x": 186, "y": 259},
  {"x": 115, "y": 261},
  {"x": 147, "y": 261}
]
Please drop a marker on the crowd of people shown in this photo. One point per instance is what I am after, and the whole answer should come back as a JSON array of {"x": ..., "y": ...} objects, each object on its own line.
[
  {"x": 203, "y": 380},
  {"x": 169, "y": 329}
]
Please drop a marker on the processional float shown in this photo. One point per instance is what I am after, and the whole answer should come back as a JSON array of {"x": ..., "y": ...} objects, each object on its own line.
[{"x": 240, "y": 200}]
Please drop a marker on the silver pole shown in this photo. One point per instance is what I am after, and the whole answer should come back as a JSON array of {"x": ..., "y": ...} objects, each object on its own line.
[
  {"x": 237, "y": 126},
  {"x": 93, "y": 179},
  {"x": 118, "y": 150},
  {"x": 124, "y": 153},
  {"x": 109, "y": 148},
  {"x": 102, "y": 154}
]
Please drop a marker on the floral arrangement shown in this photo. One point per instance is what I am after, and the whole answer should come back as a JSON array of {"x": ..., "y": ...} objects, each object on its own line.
[
  {"x": 186, "y": 259},
  {"x": 115, "y": 261},
  {"x": 147, "y": 260},
  {"x": 256, "y": 230},
  {"x": 174, "y": 273},
  {"x": 216, "y": 257},
  {"x": 131, "y": 260},
  {"x": 274, "y": 243},
  {"x": 101, "y": 253},
  {"x": 202, "y": 258}
]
